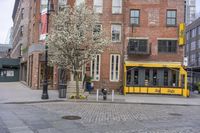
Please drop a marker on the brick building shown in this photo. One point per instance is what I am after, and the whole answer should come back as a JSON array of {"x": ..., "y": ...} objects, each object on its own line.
[
  {"x": 144, "y": 56},
  {"x": 154, "y": 56}
]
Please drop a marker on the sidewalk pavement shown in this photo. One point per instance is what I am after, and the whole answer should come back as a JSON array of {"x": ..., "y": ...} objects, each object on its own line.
[{"x": 17, "y": 92}]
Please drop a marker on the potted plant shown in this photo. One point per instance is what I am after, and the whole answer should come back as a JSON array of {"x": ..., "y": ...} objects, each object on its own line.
[{"x": 198, "y": 87}]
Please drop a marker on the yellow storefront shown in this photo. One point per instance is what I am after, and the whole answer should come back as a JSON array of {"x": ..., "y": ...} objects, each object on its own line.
[{"x": 155, "y": 78}]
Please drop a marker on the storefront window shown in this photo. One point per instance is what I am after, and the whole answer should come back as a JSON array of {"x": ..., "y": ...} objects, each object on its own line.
[
  {"x": 154, "y": 77},
  {"x": 136, "y": 74},
  {"x": 165, "y": 77}
]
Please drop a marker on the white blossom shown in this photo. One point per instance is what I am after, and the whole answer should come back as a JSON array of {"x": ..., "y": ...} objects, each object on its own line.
[{"x": 72, "y": 41}]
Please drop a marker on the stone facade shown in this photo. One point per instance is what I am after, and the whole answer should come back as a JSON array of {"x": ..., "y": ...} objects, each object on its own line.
[{"x": 20, "y": 34}]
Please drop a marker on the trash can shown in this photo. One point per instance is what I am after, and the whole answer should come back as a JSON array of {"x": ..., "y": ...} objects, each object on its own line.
[{"x": 62, "y": 90}]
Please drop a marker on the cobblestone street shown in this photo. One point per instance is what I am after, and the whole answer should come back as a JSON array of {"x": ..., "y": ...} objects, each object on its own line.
[{"x": 98, "y": 118}]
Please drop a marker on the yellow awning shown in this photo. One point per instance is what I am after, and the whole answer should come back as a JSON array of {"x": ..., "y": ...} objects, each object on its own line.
[{"x": 153, "y": 64}]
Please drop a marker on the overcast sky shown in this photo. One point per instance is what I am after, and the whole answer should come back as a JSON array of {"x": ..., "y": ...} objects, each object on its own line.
[{"x": 6, "y": 8}]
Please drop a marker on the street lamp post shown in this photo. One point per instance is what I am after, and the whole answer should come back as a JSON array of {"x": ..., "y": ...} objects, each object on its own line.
[{"x": 45, "y": 84}]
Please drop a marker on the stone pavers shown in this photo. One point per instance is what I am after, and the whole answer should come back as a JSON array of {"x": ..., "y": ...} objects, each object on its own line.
[{"x": 98, "y": 118}]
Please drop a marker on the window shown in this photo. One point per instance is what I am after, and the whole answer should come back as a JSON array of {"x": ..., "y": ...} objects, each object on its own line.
[
  {"x": 34, "y": 8},
  {"x": 78, "y": 2},
  {"x": 97, "y": 28},
  {"x": 199, "y": 30},
  {"x": 116, "y": 6},
  {"x": 171, "y": 17},
  {"x": 147, "y": 77},
  {"x": 188, "y": 35},
  {"x": 193, "y": 45},
  {"x": 21, "y": 50},
  {"x": 155, "y": 82},
  {"x": 187, "y": 47},
  {"x": 138, "y": 45},
  {"x": 95, "y": 68},
  {"x": 199, "y": 59},
  {"x": 165, "y": 77},
  {"x": 198, "y": 43},
  {"x": 192, "y": 59},
  {"x": 116, "y": 33},
  {"x": 193, "y": 32},
  {"x": 114, "y": 67},
  {"x": 167, "y": 46},
  {"x": 136, "y": 77},
  {"x": 43, "y": 5},
  {"x": 62, "y": 4},
  {"x": 98, "y": 6},
  {"x": 96, "y": 31},
  {"x": 22, "y": 13},
  {"x": 21, "y": 30},
  {"x": 135, "y": 17}
]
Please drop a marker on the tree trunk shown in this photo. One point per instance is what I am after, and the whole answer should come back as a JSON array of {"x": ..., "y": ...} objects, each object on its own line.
[{"x": 77, "y": 85}]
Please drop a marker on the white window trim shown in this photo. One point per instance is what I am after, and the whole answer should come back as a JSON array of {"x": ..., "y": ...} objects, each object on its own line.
[
  {"x": 96, "y": 5},
  {"x": 94, "y": 79},
  {"x": 120, "y": 8},
  {"x": 77, "y": 4},
  {"x": 120, "y": 38},
  {"x": 114, "y": 80}
]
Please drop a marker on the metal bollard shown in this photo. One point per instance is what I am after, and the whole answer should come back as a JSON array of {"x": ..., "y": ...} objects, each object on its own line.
[
  {"x": 113, "y": 94},
  {"x": 97, "y": 98}
]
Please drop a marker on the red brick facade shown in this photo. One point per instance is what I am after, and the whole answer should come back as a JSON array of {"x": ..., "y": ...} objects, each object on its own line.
[{"x": 152, "y": 26}]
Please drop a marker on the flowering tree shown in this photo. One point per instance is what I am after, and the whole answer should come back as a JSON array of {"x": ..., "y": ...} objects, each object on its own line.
[{"x": 75, "y": 39}]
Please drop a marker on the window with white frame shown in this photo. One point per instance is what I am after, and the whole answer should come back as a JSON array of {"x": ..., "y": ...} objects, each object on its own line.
[
  {"x": 135, "y": 17},
  {"x": 95, "y": 68},
  {"x": 98, "y": 6},
  {"x": 116, "y": 6},
  {"x": 62, "y": 4},
  {"x": 116, "y": 32},
  {"x": 114, "y": 67},
  {"x": 78, "y": 2},
  {"x": 171, "y": 17},
  {"x": 43, "y": 5}
]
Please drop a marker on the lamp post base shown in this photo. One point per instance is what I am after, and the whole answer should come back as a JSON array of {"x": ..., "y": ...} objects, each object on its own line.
[
  {"x": 45, "y": 91},
  {"x": 45, "y": 96}
]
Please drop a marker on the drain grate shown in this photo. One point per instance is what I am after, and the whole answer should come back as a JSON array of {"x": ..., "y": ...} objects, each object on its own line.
[
  {"x": 175, "y": 114},
  {"x": 71, "y": 117}
]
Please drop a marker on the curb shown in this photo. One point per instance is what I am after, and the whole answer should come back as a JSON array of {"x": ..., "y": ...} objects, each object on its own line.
[{"x": 100, "y": 102}]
